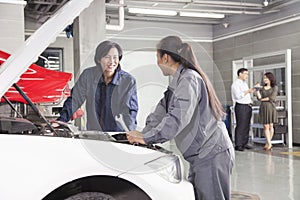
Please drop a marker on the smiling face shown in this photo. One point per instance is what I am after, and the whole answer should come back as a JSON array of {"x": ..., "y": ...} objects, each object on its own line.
[
  {"x": 266, "y": 80},
  {"x": 244, "y": 75},
  {"x": 163, "y": 63},
  {"x": 160, "y": 63},
  {"x": 110, "y": 62}
]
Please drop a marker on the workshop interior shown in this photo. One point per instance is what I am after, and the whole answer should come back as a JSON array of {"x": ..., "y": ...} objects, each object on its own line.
[{"x": 55, "y": 40}]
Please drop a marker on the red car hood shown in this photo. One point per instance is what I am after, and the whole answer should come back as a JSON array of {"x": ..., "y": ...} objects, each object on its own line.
[{"x": 41, "y": 85}]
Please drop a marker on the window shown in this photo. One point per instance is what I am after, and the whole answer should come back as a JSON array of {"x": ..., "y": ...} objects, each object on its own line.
[{"x": 51, "y": 58}]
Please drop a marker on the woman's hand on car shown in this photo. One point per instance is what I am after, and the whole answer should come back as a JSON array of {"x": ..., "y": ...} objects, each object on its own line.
[{"x": 135, "y": 137}]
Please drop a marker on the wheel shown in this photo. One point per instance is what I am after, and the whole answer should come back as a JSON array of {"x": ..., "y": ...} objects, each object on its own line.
[{"x": 90, "y": 196}]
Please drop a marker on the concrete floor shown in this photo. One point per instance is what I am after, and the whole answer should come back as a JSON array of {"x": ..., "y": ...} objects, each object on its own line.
[{"x": 269, "y": 175}]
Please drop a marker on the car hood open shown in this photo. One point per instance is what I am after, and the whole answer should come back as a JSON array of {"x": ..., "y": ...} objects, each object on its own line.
[
  {"x": 28, "y": 52},
  {"x": 41, "y": 85}
]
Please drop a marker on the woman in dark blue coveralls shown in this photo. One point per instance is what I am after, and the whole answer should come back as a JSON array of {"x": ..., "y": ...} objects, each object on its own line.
[
  {"x": 191, "y": 113},
  {"x": 107, "y": 90}
]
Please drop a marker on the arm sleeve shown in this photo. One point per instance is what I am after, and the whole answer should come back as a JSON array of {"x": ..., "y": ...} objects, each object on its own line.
[
  {"x": 237, "y": 92},
  {"x": 182, "y": 107},
  {"x": 273, "y": 95},
  {"x": 75, "y": 100},
  {"x": 160, "y": 111},
  {"x": 132, "y": 107}
]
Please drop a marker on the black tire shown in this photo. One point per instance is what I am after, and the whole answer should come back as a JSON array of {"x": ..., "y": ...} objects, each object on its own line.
[{"x": 90, "y": 196}]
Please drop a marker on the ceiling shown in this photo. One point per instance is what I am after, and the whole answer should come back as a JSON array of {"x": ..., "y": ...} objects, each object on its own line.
[{"x": 41, "y": 10}]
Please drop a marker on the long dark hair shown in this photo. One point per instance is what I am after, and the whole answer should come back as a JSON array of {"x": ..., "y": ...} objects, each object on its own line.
[
  {"x": 272, "y": 78},
  {"x": 104, "y": 47},
  {"x": 183, "y": 53}
]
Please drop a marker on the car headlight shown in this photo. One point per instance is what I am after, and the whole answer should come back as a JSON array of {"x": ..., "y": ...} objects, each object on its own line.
[{"x": 167, "y": 167}]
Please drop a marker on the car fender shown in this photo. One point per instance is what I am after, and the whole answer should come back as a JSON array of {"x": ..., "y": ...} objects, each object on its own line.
[{"x": 37, "y": 165}]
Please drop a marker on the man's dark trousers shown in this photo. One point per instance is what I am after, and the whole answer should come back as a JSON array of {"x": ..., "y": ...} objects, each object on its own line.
[{"x": 243, "y": 114}]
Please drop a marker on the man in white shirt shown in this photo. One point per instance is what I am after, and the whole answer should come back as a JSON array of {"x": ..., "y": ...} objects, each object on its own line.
[{"x": 243, "y": 109}]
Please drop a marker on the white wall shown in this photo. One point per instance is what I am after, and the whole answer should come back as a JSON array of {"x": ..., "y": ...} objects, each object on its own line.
[
  {"x": 151, "y": 83},
  {"x": 12, "y": 25}
]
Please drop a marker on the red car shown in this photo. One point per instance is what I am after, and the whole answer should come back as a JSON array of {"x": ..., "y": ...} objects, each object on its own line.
[{"x": 41, "y": 85}]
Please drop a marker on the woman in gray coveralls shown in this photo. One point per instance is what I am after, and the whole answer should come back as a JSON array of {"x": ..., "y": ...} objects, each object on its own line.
[{"x": 191, "y": 113}]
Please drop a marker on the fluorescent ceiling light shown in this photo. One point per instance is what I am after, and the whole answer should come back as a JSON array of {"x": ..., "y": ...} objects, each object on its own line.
[
  {"x": 152, "y": 11},
  {"x": 203, "y": 15}
]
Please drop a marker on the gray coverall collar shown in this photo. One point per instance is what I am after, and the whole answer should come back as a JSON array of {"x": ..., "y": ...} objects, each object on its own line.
[{"x": 176, "y": 76}]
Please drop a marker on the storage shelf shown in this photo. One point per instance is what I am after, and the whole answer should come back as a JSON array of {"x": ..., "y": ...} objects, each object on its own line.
[{"x": 256, "y": 129}]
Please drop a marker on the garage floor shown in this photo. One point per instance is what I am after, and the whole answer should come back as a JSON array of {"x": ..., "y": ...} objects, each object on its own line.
[{"x": 267, "y": 175}]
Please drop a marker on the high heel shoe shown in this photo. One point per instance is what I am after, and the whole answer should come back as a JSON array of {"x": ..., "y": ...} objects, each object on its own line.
[{"x": 268, "y": 148}]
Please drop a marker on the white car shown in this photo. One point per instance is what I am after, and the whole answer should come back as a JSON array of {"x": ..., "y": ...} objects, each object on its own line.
[
  {"x": 38, "y": 161},
  {"x": 84, "y": 165}
]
